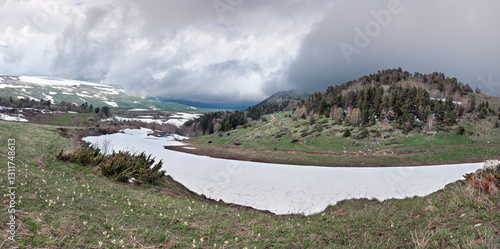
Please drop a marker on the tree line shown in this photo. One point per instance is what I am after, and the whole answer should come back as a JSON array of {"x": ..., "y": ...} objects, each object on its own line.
[{"x": 48, "y": 105}]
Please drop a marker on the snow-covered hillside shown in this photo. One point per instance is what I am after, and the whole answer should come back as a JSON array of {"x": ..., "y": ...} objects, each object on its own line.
[{"x": 78, "y": 92}]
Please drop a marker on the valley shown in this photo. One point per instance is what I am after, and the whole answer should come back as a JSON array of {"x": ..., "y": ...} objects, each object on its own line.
[{"x": 366, "y": 190}]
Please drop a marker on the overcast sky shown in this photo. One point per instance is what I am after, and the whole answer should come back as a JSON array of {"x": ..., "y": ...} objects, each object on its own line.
[{"x": 246, "y": 50}]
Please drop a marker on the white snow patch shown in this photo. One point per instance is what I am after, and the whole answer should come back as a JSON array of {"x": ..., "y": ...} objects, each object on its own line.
[
  {"x": 180, "y": 118},
  {"x": 444, "y": 100},
  {"x": 110, "y": 90},
  {"x": 29, "y": 97},
  {"x": 194, "y": 108},
  {"x": 177, "y": 122},
  {"x": 285, "y": 189},
  {"x": 83, "y": 95},
  {"x": 179, "y": 137},
  {"x": 48, "y": 97},
  {"x": 13, "y": 86},
  {"x": 46, "y": 81},
  {"x": 150, "y": 119},
  {"x": 12, "y": 118},
  {"x": 186, "y": 115},
  {"x": 138, "y": 110},
  {"x": 111, "y": 103}
]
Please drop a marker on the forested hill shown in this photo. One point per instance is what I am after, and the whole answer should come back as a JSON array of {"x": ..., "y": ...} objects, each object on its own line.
[
  {"x": 392, "y": 95},
  {"x": 389, "y": 96}
]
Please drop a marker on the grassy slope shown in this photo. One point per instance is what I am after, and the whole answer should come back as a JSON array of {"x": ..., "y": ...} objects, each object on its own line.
[
  {"x": 326, "y": 137},
  {"x": 71, "y": 206}
]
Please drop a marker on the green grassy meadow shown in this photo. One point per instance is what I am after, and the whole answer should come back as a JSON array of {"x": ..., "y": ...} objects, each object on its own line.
[
  {"x": 66, "y": 205},
  {"x": 323, "y": 143}
]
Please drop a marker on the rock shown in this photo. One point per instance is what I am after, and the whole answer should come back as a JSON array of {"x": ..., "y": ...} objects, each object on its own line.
[{"x": 491, "y": 164}]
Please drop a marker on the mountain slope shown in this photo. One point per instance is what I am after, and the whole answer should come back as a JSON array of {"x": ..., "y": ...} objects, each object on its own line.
[
  {"x": 390, "y": 97},
  {"x": 284, "y": 96},
  {"x": 79, "y": 92}
]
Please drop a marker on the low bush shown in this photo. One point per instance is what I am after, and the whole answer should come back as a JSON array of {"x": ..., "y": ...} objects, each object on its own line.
[
  {"x": 485, "y": 181},
  {"x": 120, "y": 166}
]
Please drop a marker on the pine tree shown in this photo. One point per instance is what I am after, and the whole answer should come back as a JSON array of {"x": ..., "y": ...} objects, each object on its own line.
[{"x": 105, "y": 110}]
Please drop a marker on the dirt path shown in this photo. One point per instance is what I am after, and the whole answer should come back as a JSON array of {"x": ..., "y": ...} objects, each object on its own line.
[{"x": 479, "y": 145}]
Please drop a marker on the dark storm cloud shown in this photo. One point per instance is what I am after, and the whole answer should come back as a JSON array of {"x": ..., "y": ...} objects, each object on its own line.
[{"x": 454, "y": 37}]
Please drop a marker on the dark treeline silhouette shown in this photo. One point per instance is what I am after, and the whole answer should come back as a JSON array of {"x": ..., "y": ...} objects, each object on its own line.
[
  {"x": 215, "y": 122},
  {"x": 48, "y": 105}
]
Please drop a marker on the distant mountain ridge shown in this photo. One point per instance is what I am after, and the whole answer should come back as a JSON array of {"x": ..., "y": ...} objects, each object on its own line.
[{"x": 221, "y": 106}]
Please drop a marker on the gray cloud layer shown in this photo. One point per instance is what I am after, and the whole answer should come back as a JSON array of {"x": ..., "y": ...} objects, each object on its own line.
[{"x": 238, "y": 51}]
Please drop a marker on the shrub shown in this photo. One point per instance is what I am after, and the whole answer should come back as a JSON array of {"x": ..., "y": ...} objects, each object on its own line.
[
  {"x": 121, "y": 166},
  {"x": 364, "y": 133},
  {"x": 486, "y": 181},
  {"x": 460, "y": 130},
  {"x": 305, "y": 133}
]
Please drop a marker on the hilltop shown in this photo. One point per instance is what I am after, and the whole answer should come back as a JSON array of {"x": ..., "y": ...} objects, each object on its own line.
[{"x": 285, "y": 96}]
